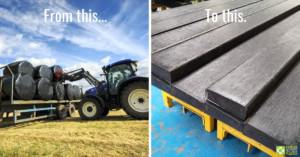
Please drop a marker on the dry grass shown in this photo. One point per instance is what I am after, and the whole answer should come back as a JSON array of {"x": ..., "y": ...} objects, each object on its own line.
[{"x": 115, "y": 135}]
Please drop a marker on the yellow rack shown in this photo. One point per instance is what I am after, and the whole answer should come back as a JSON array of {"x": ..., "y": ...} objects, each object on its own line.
[
  {"x": 208, "y": 121},
  {"x": 223, "y": 129}
]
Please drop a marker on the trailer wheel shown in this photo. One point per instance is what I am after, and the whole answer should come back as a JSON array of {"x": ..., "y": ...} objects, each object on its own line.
[
  {"x": 105, "y": 112},
  {"x": 90, "y": 109},
  {"x": 61, "y": 112},
  {"x": 135, "y": 100},
  {"x": 71, "y": 110}
]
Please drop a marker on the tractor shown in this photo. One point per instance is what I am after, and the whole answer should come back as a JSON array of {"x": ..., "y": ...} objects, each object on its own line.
[{"x": 122, "y": 89}]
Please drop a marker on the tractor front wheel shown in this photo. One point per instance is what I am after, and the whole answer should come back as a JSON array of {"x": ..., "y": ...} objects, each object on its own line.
[
  {"x": 90, "y": 109},
  {"x": 135, "y": 100}
]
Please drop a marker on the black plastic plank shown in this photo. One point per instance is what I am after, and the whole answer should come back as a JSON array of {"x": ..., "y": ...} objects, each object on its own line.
[
  {"x": 170, "y": 13},
  {"x": 180, "y": 60},
  {"x": 184, "y": 19},
  {"x": 171, "y": 3},
  {"x": 240, "y": 91},
  {"x": 277, "y": 122},
  {"x": 197, "y": 82},
  {"x": 227, "y": 118},
  {"x": 194, "y": 85},
  {"x": 176, "y": 36},
  {"x": 209, "y": 109},
  {"x": 161, "y": 84}
]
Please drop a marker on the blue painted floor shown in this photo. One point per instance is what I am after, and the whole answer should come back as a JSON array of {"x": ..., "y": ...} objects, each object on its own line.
[{"x": 176, "y": 134}]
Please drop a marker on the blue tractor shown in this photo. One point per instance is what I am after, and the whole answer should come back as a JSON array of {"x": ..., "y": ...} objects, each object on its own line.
[{"x": 122, "y": 89}]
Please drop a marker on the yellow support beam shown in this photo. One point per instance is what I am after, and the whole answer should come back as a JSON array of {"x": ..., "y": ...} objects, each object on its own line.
[
  {"x": 223, "y": 129},
  {"x": 208, "y": 121}
]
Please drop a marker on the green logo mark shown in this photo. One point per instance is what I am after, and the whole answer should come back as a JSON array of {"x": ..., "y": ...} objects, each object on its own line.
[
  {"x": 287, "y": 150},
  {"x": 280, "y": 150}
]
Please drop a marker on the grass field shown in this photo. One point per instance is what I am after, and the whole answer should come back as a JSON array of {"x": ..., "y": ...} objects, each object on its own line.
[{"x": 115, "y": 135}]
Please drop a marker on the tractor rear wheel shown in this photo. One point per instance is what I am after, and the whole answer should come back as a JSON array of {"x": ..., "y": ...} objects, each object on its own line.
[
  {"x": 90, "y": 109},
  {"x": 135, "y": 100}
]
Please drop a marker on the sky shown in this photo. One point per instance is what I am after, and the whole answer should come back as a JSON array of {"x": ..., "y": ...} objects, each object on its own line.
[{"x": 24, "y": 35}]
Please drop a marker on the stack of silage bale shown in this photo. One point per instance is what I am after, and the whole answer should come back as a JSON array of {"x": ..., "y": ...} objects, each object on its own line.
[{"x": 38, "y": 82}]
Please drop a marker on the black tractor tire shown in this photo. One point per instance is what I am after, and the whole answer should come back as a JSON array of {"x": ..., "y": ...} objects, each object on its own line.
[
  {"x": 61, "y": 112},
  {"x": 141, "y": 96},
  {"x": 105, "y": 112},
  {"x": 71, "y": 110},
  {"x": 90, "y": 108}
]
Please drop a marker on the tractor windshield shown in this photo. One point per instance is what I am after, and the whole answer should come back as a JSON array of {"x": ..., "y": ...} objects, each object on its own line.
[{"x": 116, "y": 74}]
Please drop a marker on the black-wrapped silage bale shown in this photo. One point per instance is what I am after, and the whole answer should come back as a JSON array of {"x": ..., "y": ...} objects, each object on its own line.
[
  {"x": 69, "y": 91},
  {"x": 18, "y": 68},
  {"x": 77, "y": 92},
  {"x": 24, "y": 87},
  {"x": 43, "y": 71},
  {"x": 54, "y": 69},
  {"x": 58, "y": 91},
  {"x": 44, "y": 89}
]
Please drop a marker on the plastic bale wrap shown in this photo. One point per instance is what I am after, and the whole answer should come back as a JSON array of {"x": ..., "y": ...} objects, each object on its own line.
[
  {"x": 24, "y": 87},
  {"x": 77, "y": 93},
  {"x": 59, "y": 91},
  {"x": 44, "y": 89},
  {"x": 43, "y": 71},
  {"x": 69, "y": 91},
  {"x": 18, "y": 68},
  {"x": 54, "y": 69}
]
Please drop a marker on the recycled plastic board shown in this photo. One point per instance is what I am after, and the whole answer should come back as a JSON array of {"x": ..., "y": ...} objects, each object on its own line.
[
  {"x": 161, "y": 84},
  {"x": 240, "y": 91},
  {"x": 185, "y": 19},
  {"x": 159, "y": 16},
  {"x": 225, "y": 117},
  {"x": 171, "y": 3},
  {"x": 176, "y": 36},
  {"x": 210, "y": 109},
  {"x": 182, "y": 59},
  {"x": 277, "y": 122},
  {"x": 193, "y": 86}
]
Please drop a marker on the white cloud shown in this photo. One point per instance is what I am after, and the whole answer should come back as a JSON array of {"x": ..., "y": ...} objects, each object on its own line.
[
  {"x": 105, "y": 60},
  {"x": 19, "y": 36},
  {"x": 95, "y": 69},
  {"x": 98, "y": 36},
  {"x": 39, "y": 61},
  {"x": 143, "y": 67},
  {"x": 34, "y": 45},
  {"x": 31, "y": 44},
  {"x": 14, "y": 45}
]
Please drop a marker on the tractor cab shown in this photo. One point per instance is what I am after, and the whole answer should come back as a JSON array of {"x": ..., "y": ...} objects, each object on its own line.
[{"x": 118, "y": 72}]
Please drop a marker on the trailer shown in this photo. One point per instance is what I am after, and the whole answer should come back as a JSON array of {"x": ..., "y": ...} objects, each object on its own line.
[{"x": 29, "y": 110}]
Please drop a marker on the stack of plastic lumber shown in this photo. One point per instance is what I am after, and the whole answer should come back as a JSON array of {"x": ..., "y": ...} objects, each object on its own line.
[{"x": 233, "y": 71}]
